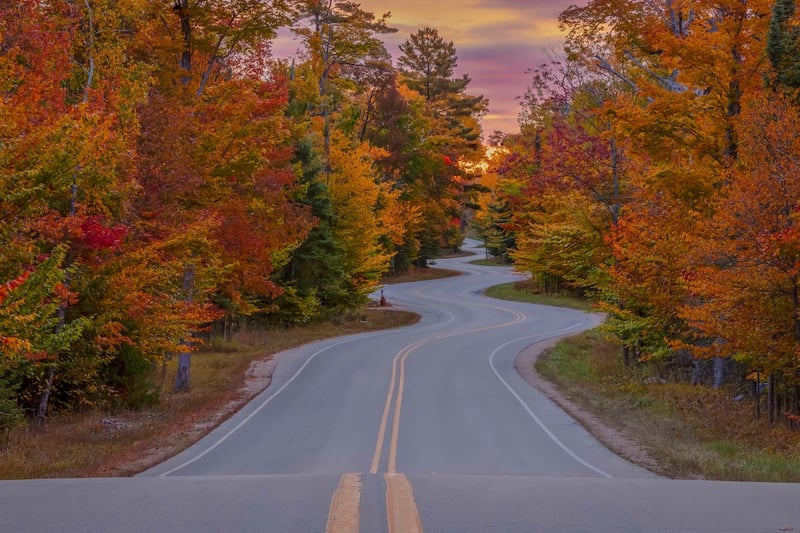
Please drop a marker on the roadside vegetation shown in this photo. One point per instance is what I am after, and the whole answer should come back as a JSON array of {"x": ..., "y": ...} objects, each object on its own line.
[
  {"x": 162, "y": 175},
  {"x": 491, "y": 261},
  {"x": 420, "y": 274},
  {"x": 124, "y": 442},
  {"x": 639, "y": 179},
  {"x": 524, "y": 292},
  {"x": 690, "y": 431}
]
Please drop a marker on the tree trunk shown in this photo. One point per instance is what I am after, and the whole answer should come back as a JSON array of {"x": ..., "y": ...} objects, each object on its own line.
[
  {"x": 183, "y": 377},
  {"x": 181, "y": 7},
  {"x": 697, "y": 372},
  {"x": 61, "y": 314},
  {"x": 44, "y": 399},
  {"x": 182, "y": 381},
  {"x": 719, "y": 372},
  {"x": 163, "y": 383},
  {"x": 757, "y": 385},
  {"x": 41, "y": 410},
  {"x": 615, "y": 171},
  {"x": 771, "y": 399}
]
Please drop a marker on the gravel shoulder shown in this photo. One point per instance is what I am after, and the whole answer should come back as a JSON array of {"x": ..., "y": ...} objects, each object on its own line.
[{"x": 611, "y": 438}]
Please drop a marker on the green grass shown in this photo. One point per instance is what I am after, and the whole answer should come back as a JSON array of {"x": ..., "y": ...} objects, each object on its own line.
[
  {"x": 420, "y": 274},
  {"x": 691, "y": 431},
  {"x": 511, "y": 291},
  {"x": 492, "y": 262},
  {"x": 570, "y": 361}
]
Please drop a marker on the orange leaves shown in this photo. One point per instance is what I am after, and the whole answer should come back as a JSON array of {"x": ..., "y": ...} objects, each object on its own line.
[
  {"x": 656, "y": 114},
  {"x": 7, "y": 287},
  {"x": 747, "y": 282}
]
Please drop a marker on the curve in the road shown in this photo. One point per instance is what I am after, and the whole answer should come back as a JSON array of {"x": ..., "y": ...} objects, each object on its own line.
[
  {"x": 400, "y": 360},
  {"x": 217, "y": 442},
  {"x": 527, "y": 408}
]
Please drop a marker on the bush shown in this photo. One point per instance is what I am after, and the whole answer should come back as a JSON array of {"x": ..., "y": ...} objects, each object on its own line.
[{"x": 11, "y": 414}]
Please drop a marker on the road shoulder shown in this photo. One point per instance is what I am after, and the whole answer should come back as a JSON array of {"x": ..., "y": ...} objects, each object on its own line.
[{"x": 611, "y": 438}]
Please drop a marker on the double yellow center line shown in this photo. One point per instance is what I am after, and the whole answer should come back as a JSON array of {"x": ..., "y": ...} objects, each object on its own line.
[
  {"x": 401, "y": 508},
  {"x": 399, "y": 360},
  {"x": 402, "y": 515},
  {"x": 397, "y": 381}
]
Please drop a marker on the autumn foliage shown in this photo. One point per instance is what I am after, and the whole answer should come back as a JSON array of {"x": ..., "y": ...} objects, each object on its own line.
[
  {"x": 162, "y": 176},
  {"x": 656, "y": 171}
]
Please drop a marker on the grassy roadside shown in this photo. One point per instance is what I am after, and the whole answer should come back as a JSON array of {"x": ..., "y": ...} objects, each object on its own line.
[
  {"x": 690, "y": 431},
  {"x": 491, "y": 262},
  {"x": 420, "y": 274},
  {"x": 512, "y": 291},
  {"x": 124, "y": 443}
]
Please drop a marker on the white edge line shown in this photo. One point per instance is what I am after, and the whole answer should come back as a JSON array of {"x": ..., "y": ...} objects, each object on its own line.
[
  {"x": 259, "y": 408},
  {"x": 528, "y": 409}
]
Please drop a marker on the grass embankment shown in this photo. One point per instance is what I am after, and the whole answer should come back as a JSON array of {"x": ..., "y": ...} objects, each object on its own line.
[
  {"x": 491, "y": 262},
  {"x": 124, "y": 443},
  {"x": 519, "y": 292},
  {"x": 420, "y": 274},
  {"x": 690, "y": 431}
]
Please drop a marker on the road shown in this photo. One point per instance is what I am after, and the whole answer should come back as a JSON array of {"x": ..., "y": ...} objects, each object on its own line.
[{"x": 425, "y": 428}]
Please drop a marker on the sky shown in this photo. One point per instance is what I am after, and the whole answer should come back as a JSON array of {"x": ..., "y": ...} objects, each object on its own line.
[{"x": 496, "y": 42}]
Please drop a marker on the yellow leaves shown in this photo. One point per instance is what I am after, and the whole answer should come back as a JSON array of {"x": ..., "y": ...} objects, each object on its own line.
[
  {"x": 396, "y": 217},
  {"x": 358, "y": 224}
]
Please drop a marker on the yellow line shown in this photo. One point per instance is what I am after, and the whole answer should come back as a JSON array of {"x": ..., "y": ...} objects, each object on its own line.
[
  {"x": 401, "y": 356},
  {"x": 344, "y": 514},
  {"x": 376, "y": 457},
  {"x": 402, "y": 514},
  {"x": 392, "y": 466}
]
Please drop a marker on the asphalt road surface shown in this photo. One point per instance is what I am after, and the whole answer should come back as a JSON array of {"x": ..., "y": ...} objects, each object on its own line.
[{"x": 425, "y": 428}]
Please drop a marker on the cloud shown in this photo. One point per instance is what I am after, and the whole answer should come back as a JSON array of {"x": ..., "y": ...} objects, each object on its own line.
[{"x": 496, "y": 40}]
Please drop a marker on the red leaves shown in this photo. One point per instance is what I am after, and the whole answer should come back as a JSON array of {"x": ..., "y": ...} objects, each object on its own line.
[
  {"x": 97, "y": 235},
  {"x": 9, "y": 286}
]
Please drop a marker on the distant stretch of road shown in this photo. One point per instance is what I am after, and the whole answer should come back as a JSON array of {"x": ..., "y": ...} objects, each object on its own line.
[{"x": 425, "y": 428}]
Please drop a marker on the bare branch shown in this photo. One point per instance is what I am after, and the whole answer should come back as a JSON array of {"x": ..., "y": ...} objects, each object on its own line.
[
  {"x": 90, "y": 74},
  {"x": 605, "y": 65},
  {"x": 679, "y": 25},
  {"x": 670, "y": 82}
]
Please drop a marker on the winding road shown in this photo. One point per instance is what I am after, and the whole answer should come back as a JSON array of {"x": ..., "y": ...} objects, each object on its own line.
[{"x": 425, "y": 428}]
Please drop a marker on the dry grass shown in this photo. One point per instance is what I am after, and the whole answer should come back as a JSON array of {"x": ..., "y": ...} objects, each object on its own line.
[
  {"x": 124, "y": 443},
  {"x": 691, "y": 431}
]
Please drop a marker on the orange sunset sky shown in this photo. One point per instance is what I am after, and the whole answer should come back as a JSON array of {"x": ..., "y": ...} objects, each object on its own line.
[{"x": 496, "y": 40}]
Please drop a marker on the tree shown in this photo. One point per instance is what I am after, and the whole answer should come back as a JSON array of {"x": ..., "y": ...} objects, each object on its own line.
[
  {"x": 566, "y": 177},
  {"x": 687, "y": 67},
  {"x": 69, "y": 94},
  {"x": 783, "y": 45},
  {"x": 225, "y": 178},
  {"x": 427, "y": 64},
  {"x": 428, "y": 61},
  {"x": 314, "y": 276},
  {"x": 746, "y": 289},
  {"x": 438, "y": 155},
  {"x": 339, "y": 36}
]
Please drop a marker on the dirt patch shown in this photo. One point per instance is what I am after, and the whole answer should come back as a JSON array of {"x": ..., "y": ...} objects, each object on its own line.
[{"x": 611, "y": 438}]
